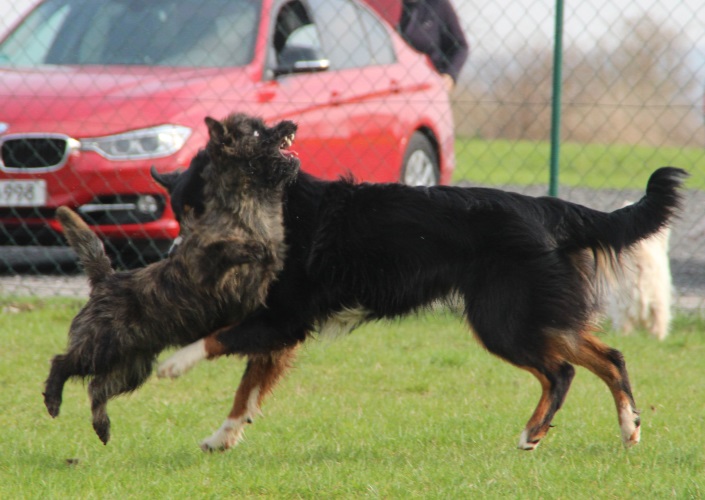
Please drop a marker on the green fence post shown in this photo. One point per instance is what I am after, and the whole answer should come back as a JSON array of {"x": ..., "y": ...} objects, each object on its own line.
[{"x": 556, "y": 100}]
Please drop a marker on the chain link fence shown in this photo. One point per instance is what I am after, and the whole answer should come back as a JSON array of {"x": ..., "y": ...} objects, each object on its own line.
[{"x": 632, "y": 101}]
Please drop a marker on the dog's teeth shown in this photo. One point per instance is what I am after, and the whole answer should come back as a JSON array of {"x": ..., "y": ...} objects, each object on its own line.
[{"x": 287, "y": 141}]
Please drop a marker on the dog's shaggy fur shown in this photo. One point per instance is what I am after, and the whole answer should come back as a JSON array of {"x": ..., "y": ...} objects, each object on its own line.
[
  {"x": 642, "y": 297},
  {"x": 526, "y": 270},
  {"x": 220, "y": 272}
]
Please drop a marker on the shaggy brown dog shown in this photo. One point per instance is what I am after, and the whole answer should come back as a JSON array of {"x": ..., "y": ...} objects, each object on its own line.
[{"x": 220, "y": 272}]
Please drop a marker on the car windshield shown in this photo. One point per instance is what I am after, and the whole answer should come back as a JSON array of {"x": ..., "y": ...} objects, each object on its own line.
[{"x": 191, "y": 33}]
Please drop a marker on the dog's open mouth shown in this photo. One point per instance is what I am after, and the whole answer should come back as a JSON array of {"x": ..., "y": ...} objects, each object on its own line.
[{"x": 285, "y": 145}]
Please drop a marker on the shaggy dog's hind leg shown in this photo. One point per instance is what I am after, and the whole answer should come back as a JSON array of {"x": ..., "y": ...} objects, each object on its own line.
[
  {"x": 106, "y": 386},
  {"x": 98, "y": 391}
]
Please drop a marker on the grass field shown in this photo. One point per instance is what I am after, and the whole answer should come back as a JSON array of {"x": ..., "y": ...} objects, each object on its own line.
[
  {"x": 503, "y": 162},
  {"x": 397, "y": 410}
]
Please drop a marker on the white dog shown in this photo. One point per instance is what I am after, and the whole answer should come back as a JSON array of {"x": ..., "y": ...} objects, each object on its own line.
[{"x": 642, "y": 297}]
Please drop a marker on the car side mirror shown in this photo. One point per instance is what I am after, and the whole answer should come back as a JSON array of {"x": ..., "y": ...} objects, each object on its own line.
[{"x": 298, "y": 59}]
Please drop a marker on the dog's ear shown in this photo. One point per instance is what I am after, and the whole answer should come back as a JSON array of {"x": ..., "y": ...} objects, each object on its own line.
[
  {"x": 216, "y": 130},
  {"x": 167, "y": 181}
]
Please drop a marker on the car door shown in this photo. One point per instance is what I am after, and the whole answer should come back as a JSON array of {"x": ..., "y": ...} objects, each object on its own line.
[
  {"x": 362, "y": 86},
  {"x": 343, "y": 123}
]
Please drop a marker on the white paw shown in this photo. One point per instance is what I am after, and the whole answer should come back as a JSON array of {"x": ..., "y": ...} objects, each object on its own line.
[
  {"x": 630, "y": 424},
  {"x": 524, "y": 443},
  {"x": 182, "y": 360},
  {"x": 224, "y": 438}
]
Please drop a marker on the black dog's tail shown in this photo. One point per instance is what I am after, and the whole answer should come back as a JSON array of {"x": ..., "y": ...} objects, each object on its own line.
[
  {"x": 615, "y": 231},
  {"x": 86, "y": 244}
]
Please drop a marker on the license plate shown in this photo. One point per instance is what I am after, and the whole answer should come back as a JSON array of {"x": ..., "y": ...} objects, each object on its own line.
[{"x": 23, "y": 193}]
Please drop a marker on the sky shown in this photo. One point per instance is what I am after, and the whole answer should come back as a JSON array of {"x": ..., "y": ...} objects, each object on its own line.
[{"x": 503, "y": 25}]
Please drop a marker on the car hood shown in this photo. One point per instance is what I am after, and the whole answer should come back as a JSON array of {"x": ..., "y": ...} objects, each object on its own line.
[{"x": 96, "y": 101}]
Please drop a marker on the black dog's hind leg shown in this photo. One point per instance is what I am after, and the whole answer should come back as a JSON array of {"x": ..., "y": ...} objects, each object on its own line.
[
  {"x": 609, "y": 365},
  {"x": 555, "y": 383},
  {"x": 515, "y": 323},
  {"x": 548, "y": 365}
]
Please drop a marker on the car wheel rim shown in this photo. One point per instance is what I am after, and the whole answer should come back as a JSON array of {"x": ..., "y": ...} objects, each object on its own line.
[{"x": 420, "y": 170}]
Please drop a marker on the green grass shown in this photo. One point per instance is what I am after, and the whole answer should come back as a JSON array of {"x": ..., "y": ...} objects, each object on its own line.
[
  {"x": 396, "y": 410},
  {"x": 503, "y": 162}
]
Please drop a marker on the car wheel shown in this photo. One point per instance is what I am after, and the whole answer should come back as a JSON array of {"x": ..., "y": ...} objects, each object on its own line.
[{"x": 420, "y": 165}]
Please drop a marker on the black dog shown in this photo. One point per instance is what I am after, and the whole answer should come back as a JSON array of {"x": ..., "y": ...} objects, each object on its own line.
[
  {"x": 527, "y": 271},
  {"x": 220, "y": 273}
]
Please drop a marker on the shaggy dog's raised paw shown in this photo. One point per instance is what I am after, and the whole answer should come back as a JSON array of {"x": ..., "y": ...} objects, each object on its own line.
[
  {"x": 102, "y": 429},
  {"x": 53, "y": 404}
]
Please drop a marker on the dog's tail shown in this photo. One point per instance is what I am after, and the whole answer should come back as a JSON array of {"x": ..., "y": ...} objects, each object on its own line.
[
  {"x": 618, "y": 230},
  {"x": 86, "y": 244}
]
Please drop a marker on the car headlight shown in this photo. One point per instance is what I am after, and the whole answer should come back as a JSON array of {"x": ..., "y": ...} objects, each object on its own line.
[{"x": 153, "y": 142}]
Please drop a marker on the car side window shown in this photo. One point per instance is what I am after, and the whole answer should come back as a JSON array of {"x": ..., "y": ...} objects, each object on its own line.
[
  {"x": 29, "y": 47},
  {"x": 295, "y": 36},
  {"x": 378, "y": 37},
  {"x": 342, "y": 35},
  {"x": 190, "y": 33}
]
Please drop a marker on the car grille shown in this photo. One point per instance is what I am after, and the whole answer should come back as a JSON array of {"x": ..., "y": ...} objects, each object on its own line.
[
  {"x": 26, "y": 213},
  {"x": 33, "y": 152},
  {"x": 120, "y": 209}
]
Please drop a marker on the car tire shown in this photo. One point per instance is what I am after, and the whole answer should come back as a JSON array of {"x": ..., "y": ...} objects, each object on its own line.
[{"x": 420, "y": 165}]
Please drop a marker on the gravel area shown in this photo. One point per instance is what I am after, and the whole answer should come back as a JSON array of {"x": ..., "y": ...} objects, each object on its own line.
[{"x": 45, "y": 271}]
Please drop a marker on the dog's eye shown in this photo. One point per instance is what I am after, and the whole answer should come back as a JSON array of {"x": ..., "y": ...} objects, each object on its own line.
[{"x": 256, "y": 133}]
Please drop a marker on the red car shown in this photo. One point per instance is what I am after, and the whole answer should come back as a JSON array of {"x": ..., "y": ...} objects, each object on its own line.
[{"x": 95, "y": 92}]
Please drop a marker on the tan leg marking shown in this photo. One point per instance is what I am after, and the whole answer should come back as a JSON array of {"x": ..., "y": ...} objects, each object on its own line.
[{"x": 261, "y": 375}]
